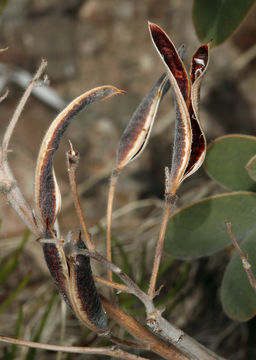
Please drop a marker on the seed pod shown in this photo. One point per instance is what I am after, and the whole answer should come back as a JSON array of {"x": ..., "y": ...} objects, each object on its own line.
[
  {"x": 48, "y": 198},
  {"x": 47, "y": 195},
  {"x": 199, "y": 64},
  {"x": 181, "y": 90},
  {"x": 83, "y": 293},
  {"x": 198, "y": 67},
  {"x": 189, "y": 141},
  {"x": 136, "y": 134},
  {"x": 57, "y": 265}
]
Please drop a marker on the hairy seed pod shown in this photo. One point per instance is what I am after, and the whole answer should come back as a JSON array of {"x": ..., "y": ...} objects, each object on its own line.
[
  {"x": 198, "y": 67},
  {"x": 189, "y": 141},
  {"x": 57, "y": 264},
  {"x": 181, "y": 90},
  {"x": 136, "y": 134},
  {"x": 83, "y": 293},
  {"x": 48, "y": 198},
  {"x": 47, "y": 195}
]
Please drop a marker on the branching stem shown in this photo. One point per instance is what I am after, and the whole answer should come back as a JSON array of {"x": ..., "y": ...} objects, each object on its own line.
[
  {"x": 246, "y": 265},
  {"x": 105, "y": 351},
  {"x": 169, "y": 203},
  {"x": 21, "y": 105}
]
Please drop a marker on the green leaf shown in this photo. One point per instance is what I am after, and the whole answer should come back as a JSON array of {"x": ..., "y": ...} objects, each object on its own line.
[
  {"x": 251, "y": 168},
  {"x": 237, "y": 296},
  {"x": 226, "y": 159},
  {"x": 200, "y": 230},
  {"x": 216, "y": 20}
]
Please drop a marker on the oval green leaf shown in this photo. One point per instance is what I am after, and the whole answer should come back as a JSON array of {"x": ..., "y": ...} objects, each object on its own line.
[
  {"x": 237, "y": 296},
  {"x": 226, "y": 161},
  {"x": 200, "y": 230},
  {"x": 216, "y": 20}
]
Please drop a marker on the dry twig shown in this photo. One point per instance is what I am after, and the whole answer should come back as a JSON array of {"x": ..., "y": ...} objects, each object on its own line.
[
  {"x": 246, "y": 265},
  {"x": 105, "y": 351}
]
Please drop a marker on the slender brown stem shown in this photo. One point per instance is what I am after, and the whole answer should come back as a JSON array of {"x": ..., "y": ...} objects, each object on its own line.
[
  {"x": 246, "y": 265},
  {"x": 128, "y": 343},
  {"x": 73, "y": 159},
  {"x": 156, "y": 345},
  {"x": 105, "y": 351},
  {"x": 112, "y": 284},
  {"x": 20, "y": 107},
  {"x": 112, "y": 186},
  {"x": 170, "y": 200}
]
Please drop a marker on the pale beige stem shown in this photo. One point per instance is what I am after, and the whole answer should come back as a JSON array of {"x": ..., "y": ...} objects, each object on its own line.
[
  {"x": 112, "y": 186},
  {"x": 72, "y": 163},
  {"x": 156, "y": 345},
  {"x": 159, "y": 248},
  {"x": 246, "y": 265},
  {"x": 113, "y": 285},
  {"x": 20, "y": 107},
  {"x": 155, "y": 321},
  {"x": 105, "y": 351}
]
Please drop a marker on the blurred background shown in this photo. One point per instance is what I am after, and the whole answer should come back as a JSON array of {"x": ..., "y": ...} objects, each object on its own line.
[{"x": 92, "y": 43}]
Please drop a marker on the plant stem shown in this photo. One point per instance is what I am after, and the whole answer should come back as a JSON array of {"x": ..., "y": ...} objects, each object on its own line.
[
  {"x": 155, "y": 321},
  {"x": 114, "y": 285},
  {"x": 106, "y": 351},
  {"x": 8, "y": 184},
  {"x": 139, "y": 332},
  {"x": 73, "y": 159},
  {"x": 246, "y": 265},
  {"x": 169, "y": 203},
  {"x": 21, "y": 105},
  {"x": 112, "y": 186}
]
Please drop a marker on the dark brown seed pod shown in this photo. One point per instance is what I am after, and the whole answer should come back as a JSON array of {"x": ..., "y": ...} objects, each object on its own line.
[
  {"x": 83, "y": 293},
  {"x": 199, "y": 64},
  {"x": 171, "y": 59},
  {"x": 57, "y": 265},
  {"x": 198, "y": 67},
  {"x": 136, "y": 134},
  {"x": 47, "y": 195},
  {"x": 181, "y": 90},
  {"x": 189, "y": 141}
]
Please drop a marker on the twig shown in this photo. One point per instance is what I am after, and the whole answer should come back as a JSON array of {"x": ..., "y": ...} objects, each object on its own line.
[
  {"x": 169, "y": 203},
  {"x": 86, "y": 185},
  {"x": 130, "y": 344},
  {"x": 156, "y": 345},
  {"x": 133, "y": 287},
  {"x": 155, "y": 321},
  {"x": 114, "y": 285},
  {"x": 112, "y": 186},
  {"x": 106, "y": 351},
  {"x": 20, "y": 107},
  {"x": 8, "y": 185},
  {"x": 246, "y": 265},
  {"x": 73, "y": 159}
]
